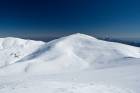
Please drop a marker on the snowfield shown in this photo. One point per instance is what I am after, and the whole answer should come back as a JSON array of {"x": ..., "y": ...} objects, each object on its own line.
[{"x": 73, "y": 64}]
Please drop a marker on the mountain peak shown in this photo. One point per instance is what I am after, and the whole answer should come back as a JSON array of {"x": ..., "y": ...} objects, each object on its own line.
[{"x": 79, "y": 35}]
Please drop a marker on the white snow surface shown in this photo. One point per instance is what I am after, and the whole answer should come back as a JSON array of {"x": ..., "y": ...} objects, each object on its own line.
[{"x": 73, "y": 64}]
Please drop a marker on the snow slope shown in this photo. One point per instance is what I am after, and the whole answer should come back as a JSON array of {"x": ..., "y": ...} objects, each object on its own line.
[
  {"x": 58, "y": 87},
  {"x": 13, "y": 49},
  {"x": 66, "y": 64},
  {"x": 70, "y": 53}
]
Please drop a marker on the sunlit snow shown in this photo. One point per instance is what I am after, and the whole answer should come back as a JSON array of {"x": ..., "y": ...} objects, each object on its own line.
[{"x": 73, "y": 64}]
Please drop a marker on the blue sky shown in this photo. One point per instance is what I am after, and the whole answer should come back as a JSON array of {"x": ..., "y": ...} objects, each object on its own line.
[{"x": 43, "y": 18}]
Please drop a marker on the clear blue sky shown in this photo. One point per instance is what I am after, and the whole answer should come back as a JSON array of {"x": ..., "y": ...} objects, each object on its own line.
[{"x": 43, "y": 18}]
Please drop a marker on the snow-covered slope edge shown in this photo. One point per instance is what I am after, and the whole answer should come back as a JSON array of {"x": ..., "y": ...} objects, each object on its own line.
[
  {"x": 13, "y": 49},
  {"x": 70, "y": 53}
]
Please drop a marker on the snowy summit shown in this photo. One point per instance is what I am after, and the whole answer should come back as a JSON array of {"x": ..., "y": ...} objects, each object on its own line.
[{"x": 75, "y": 58}]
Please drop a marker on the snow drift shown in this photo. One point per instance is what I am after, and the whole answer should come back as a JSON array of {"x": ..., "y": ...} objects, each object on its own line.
[{"x": 71, "y": 53}]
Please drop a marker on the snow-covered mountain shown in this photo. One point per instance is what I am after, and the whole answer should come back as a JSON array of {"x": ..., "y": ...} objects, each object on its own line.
[
  {"x": 70, "y": 53},
  {"x": 13, "y": 49},
  {"x": 66, "y": 64}
]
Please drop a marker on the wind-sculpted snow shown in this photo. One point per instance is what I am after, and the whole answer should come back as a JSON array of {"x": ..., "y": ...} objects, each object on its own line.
[{"x": 71, "y": 53}]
